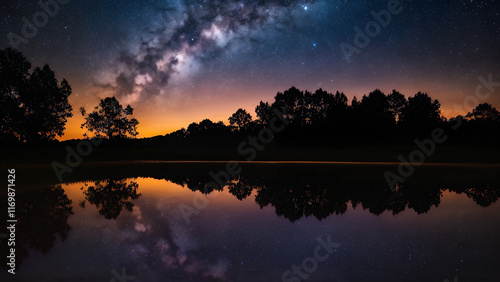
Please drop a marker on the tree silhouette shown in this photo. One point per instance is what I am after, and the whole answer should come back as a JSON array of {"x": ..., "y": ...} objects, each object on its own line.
[
  {"x": 109, "y": 120},
  {"x": 321, "y": 105},
  {"x": 324, "y": 120},
  {"x": 264, "y": 113},
  {"x": 321, "y": 191},
  {"x": 111, "y": 196},
  {"x": 484, "y": 113},
  {"x": 14, "y": 74},
  {"x": 397, "y": 102},
  {"x": 421, "y": 112},
  {"x": 33, "y": 107},
  {"x": 336, "y": 107},
  {"x": 290, "y": 102},
  {"x": 374, "y": 109},
  {"x": 206, "y": 128},
  {"x": 241, "y": 119}
]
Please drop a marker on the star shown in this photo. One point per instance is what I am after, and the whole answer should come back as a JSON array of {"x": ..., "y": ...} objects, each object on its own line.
[{"x": 180, "y": 52}]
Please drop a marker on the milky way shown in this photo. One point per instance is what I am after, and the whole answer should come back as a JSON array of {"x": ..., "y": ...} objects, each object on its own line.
[
  {"x": 169, "y": 58},
  {"x": 188, "y": 33}
]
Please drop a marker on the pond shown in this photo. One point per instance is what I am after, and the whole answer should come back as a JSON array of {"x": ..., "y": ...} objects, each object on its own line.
[{"x": 271, "y": 222}]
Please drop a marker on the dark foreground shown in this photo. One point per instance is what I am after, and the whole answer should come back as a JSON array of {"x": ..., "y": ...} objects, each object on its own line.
[{"x": 272, "y": 222}]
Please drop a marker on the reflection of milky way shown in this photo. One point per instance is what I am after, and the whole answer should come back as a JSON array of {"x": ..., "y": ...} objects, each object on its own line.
[
  {"x": 158, "y": 247},
  {"x": 189, "y": 33}
]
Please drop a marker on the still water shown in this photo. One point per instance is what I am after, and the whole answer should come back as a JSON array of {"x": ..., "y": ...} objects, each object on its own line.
[{"x": 272, "y": 222}]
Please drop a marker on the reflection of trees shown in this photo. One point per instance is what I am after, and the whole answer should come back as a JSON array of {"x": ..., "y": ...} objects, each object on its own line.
[
  {"x": 41, "y": 216},
  {"x": 322, "y": 190},
  {"x": 293, "y": 202},
  {"x": 483, "y": 196},
  {"x": 111, "y": 196},
  {"x": 194, "y": 179},
  {"x": 295, "y": 193},
  {"x": 421, "y": 199},
  {"x": 240, "y": 188}
]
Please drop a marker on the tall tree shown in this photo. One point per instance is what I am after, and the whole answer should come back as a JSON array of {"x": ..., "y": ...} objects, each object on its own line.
[
  {"x": 374, "y": 110},
  {"x": 397, "y": 102},
  {"x": 242, "y": 119},
  {"x": 14, "y": 73},
  {"x": 337, "y": 110},
  {"x": 33, "y": 107},
  {"x": 264, "y": 112},
  {"x": 291, "y": 102},
  {"x": 110, "y": 120},
  {"x": 421, "y": 112}
]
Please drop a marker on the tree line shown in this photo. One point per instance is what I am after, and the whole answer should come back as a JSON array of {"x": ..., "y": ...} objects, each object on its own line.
[
  {"x": 330, "y": 116},
  {"x": 34, "y": 108}
]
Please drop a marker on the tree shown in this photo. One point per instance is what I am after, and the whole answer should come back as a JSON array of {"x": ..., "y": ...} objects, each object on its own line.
[
  {"x": 320, "y": 105},
  {"x": 209, "y": 127},
  {"x": 179, "y": 134},
  {"x": 375, "y": 111},
  {"x": 46, "y": 105},
  {"x": 14, "y": 74},
  {"x": 355, "y": 103},
  {"x": 206, "y": 128},
  {"x": 193, "y": 129},
  {"x": 337, "y": 108},
  {"x": 33, "y": 107},
  {"x": 484, "y": 112},
  {"x": 421, "y": 112},
  {"x": 397, "y": 102},
  {"x": 109, "y": 120},
  {"x": 242, "y": 119},
  {"x": 264, "y": 113},
  {"x": 291, "y": 102}
]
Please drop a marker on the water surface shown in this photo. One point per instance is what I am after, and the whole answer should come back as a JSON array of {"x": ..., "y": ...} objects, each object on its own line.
[{"x": 158, "y": 223}]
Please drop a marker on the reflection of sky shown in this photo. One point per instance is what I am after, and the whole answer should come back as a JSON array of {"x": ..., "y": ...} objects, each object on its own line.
[{"x": 237, "y": 241}]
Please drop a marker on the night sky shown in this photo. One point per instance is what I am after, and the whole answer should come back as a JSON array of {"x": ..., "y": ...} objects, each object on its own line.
[{"x": 178, "y": 62}]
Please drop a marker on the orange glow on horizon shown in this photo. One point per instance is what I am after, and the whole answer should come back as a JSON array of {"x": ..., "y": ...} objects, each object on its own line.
[
  {"x": 168, "y": 114},
  {"x": 160, "y": 188},
  {"x": 150, "y": 126}
]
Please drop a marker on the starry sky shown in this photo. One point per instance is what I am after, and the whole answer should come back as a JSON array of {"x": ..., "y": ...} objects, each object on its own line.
[{"x": 182, "y": 61}]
